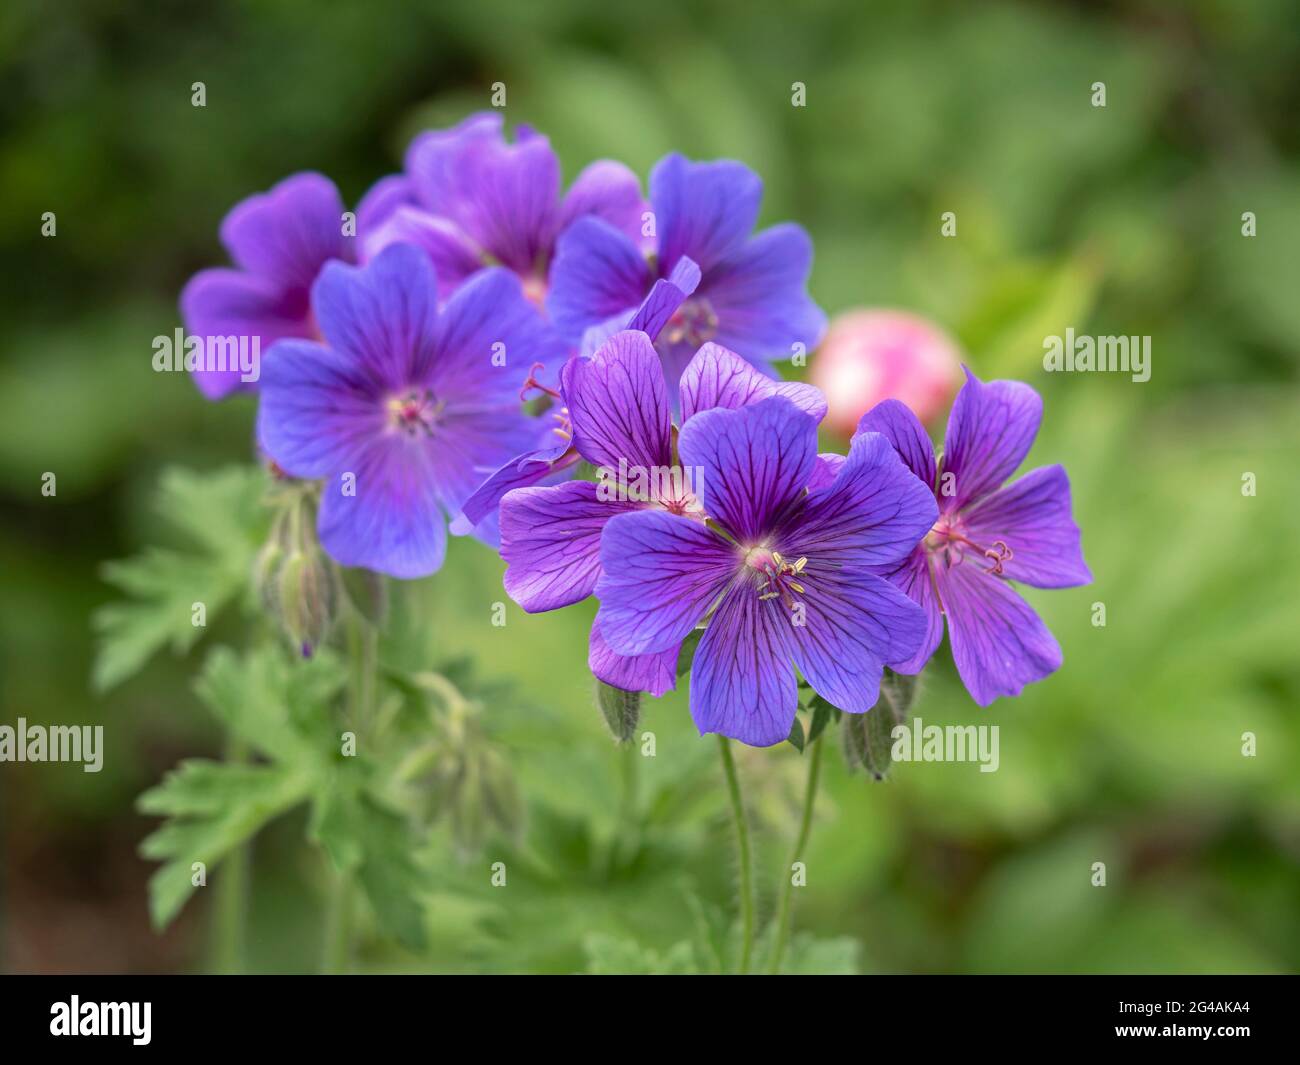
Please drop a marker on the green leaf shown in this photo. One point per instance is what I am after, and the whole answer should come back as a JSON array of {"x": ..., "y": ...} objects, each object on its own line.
[
  {"x": 868, "y": 738},
  {"x": 610, "y": 956},
  {"x": 392, "y": 880},
  {"x": 221, "y": 514},
  {"x": 360, "y": 834},
  {"x": 795, "y": 739},
  {"x": 279, "y": 707},
  {"x": 822, "y": 714},
  {"x": 213, "y": 808},
  {"x": 809, "y": 956},
  {"x": 621, "y": 709},
  {"x": 687, "y": 654}
]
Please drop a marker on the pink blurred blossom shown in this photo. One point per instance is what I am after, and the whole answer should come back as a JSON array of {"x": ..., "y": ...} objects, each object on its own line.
[{"x": 873, "y": 355}]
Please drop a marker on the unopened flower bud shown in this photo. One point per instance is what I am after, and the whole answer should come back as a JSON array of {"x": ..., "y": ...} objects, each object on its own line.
[
  {"x": 868, "y": 738},
  {"x": 873, "y": 355},
  {"x": 622, "y": 710},
  {"x": 306, "y": 597}
]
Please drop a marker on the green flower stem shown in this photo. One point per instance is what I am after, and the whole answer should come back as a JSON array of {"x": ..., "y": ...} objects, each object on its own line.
[
  {"x": 742, "y": 848},
  {"x": 338, "y": 926},
  {"x": 229, "y": 930},
  {"x": 626, "y": 839},
  {"x": 801, "y": 841},
  {"x": 363, "y": 650}
]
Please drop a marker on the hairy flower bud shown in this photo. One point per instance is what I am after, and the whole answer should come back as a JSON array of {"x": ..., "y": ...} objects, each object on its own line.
[
  {"x": 621, "y": 709},
  {"x": 306, "y": 595},
  {"x": 868, "y": 738},
  {"x": 294, "y": 579}
]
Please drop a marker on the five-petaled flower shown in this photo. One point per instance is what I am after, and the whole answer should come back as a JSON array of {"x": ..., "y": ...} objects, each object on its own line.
[
  {"x": 783, "y": 570},
  {"x": 279, "y": 241},
  {"x": 617, "y": 406},
  {"x": 986, "y": 535},
  {"x": 469, "y": 199},
  {"x": 409, "y": 414},
  {"x": 403, "y": 409},
  {"x": 752, "y": 295}
]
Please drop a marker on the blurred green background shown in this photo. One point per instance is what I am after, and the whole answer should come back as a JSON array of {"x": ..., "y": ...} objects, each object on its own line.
[{"x": 1123, "y": 220}]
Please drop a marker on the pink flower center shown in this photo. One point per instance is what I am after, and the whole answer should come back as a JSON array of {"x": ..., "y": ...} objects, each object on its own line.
[
  {"x": 414, "y": 412},
  {"x": 535, "y": 291},
  {"x": 774, "y": 576},
  {"x": 948, "y": 541},
  {"x": 694, "y": 323}
]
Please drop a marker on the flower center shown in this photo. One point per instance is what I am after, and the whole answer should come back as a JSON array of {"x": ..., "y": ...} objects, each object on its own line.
[
  {"x": 774, "y": 576},
  {"x": 534, "y": 288},
  {"x": 694, "y": 323},
  {"x": 413, "y": 412},
  {"x": 948, "y": 540}
]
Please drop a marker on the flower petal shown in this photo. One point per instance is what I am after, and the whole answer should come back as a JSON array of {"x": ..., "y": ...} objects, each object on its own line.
[
  {"x": 318, "y": 411},
  {"x": 488, "y": 336},
  {"x": 382, "y": 314},
  {"x": 760, "y": 295},
  {"x": 716, "y": 377},
  {"x": 742, "y": 681},
  {"x": 913, "y": 579},
  {"x": 660, "y": 304},
  {"x": 381, "y": 200},
  {"x": 550, "y": 541},
  {"x": 504, "y": 196},
  {"x": 990, "y": 431},
  {"x": 666, "y": 295},
  {"x": 290, "y": 232},
  {"x": 660, "y": 573},
  {"x": 826, "y": 469},
  {"x": 998, "y": 643},
  {"x": 435, "y": 161},
  {"x": 608, "y": 190},
  {"x": 873, "y": 514},
  {"x": 470, "y": 442},
  {"x": 453, "y": 255},
  {"x": 656, "y": 673},
  {"x": 852, "y": 623},
  {"x": 229, "y": 303},
  {"x": 524, "y": 470},
  {"x": 896, "y": 421},
  {"x": 597, "y": 273},
  {"x": 618, "y": 404},
  {"x": 392, "y": 524},
  {"x": 750, "y": 465},
  {"x": 1033, "y": 518},
  {"x": 703, "y": 210}
]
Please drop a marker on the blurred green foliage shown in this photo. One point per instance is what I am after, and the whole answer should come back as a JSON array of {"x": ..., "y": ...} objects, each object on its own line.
[{"x": 1120, "y": 220}]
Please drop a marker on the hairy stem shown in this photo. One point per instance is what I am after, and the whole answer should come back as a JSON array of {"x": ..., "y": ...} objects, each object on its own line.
[
  {"x": 229, "y": 930},
  {"x": 801, "y": 841},
  {"x": 743, "y": 852},
  {"x": 337, "y": 953},
  {"x": 363, "y": 641}
]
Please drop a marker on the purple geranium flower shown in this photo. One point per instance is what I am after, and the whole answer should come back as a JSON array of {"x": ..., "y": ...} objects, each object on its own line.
[
  {"x": 278, "y": 240},
  {"x": 783, "y": 572},
  {"x": 986, "y": 535},
  {"x": 619, "y": 418},
  {"x": 469, "y": 198},
  {"x": 404, "y": 408},
  {"x": 752, "y": 297},
  {"x": 556, "y": 452}
]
